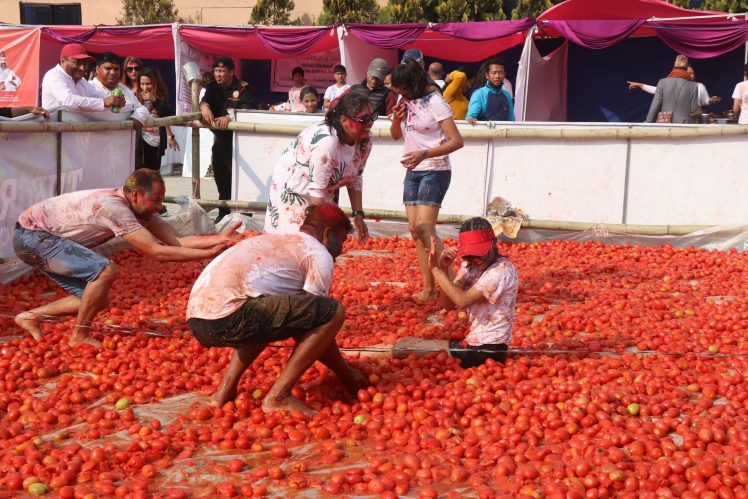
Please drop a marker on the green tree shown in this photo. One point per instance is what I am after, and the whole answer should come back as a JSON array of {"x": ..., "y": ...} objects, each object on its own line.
[
  {"x": 409, "y": 11},
  {"x": 348, "y": 11},
  {"x": 148, "y": 12},
  {"x": 277, "y": 12},
  {"x": 470, "y": 10},
  {"x": 680, "y": 3},
  {"x": 726, "y": 5},
  {"x": 530, "y": 8}
]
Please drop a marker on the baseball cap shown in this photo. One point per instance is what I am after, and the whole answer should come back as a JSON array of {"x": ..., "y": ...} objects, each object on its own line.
[
  {"x": 414, "y": 54},
  {"x": 74, "y": 50},
  {"x": 476, "y": 242},
  {"x": 378, "y": 68}
]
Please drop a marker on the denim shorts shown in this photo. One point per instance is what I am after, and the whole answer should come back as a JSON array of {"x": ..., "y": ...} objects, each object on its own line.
[
  {"x": 265, "y": 319},
  {"x": 426, "y": 187},
  {"x": 67, "y": 263}
]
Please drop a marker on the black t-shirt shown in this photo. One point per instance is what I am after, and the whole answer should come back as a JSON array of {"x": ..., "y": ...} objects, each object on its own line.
[
  {"x": 5, "y": 112},
  {"x": 377, "y": 97},
  {"x": 238, "y": 95}
]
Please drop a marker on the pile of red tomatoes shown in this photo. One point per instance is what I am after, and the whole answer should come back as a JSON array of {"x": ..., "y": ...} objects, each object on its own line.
[{"x": 632, "y": 381}]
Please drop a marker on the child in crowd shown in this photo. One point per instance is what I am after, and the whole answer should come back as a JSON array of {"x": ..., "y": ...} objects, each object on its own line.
[
  {"x": 486, "y": 285},
  {"x": 310, "y": 99},
  {"x": 340, "y": 86},
  {"x": 294, "y": 95}
]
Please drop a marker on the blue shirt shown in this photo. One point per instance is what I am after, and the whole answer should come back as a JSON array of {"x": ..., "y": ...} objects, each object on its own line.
[{"x": 491, "y": 103}]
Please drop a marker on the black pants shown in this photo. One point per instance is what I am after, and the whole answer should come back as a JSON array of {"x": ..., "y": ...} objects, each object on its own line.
[
  {"x": 221, "y": 161},
  {"x": 471, "y": 356},
  {"x": 151, "y": 157}
]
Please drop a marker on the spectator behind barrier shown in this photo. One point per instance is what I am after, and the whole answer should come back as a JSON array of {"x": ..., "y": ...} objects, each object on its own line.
[
  {"x": 63, "y": 85},
  {"x": 155, "y": 98},
  {"x": 108, "y": 75}
]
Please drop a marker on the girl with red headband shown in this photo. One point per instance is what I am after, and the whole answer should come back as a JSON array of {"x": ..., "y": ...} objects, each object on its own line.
[{"x": 486, "y": 285}]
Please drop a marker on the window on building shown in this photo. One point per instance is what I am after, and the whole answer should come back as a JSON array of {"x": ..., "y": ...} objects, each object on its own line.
[{"x": 47, "y": 13}]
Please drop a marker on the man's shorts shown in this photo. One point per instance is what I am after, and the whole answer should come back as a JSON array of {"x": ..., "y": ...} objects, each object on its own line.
[
  {"x": 426, "y": 187},
  {"x": 265, "y": 319},
  {"x": 67, "y": 263},
  {"x": 471, "y": 356}
]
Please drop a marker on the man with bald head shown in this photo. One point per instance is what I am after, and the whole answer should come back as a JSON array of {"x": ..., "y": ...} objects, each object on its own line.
[{"x": 436, "y": 73}]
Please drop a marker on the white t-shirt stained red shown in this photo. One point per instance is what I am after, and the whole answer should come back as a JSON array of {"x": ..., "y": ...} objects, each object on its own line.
[
  {"x": 421, "y": 130},
  {"x": 265, "y": 265},
  {"x": 491, "y": 319},
  {"x": 89, "y": 218}
]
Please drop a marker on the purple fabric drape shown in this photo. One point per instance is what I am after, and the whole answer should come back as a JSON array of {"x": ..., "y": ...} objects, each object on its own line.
[
  {"x": 702, "y": 40},
  {"x": 292, "y": 42},
  {"x": 595, "y": 34},
  {"x": 483, "y": 30},
  {"x": 387, "y": 36},
  {"x": 79, "y": 38}
]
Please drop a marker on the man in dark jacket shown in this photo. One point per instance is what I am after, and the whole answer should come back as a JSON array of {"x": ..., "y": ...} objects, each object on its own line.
[
  {"x": 382, "y": 100},
  {"x": 221, "y": 96}
]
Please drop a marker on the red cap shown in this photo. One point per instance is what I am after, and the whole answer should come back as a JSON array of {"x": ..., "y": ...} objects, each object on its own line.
[
  {"x": 74, "y": 50},
  {"x": 476, "y": 242}
]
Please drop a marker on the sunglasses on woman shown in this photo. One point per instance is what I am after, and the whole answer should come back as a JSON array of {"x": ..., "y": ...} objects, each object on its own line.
[
  {"x": 364, "y": 120},
  {"x": 133, "y": 68}
]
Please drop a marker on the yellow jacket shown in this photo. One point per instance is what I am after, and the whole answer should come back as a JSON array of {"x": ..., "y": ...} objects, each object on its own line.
[{"x": 454, "y": 96}]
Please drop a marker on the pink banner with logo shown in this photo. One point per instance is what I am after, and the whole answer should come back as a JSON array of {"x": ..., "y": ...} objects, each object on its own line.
[{"x": 19, "y": 72}]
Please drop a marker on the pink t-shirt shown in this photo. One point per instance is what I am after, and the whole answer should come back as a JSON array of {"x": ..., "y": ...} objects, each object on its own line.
[
  {"x": 265, "y": 265},
  {"x": 294, "y": 99},
  {"x": 491, "y": 319},
  {"x": 420, "y": 127},
  {"x": 89, "y": 218}
]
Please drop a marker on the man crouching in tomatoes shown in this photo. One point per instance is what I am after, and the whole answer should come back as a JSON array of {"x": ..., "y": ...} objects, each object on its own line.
[
  {"x": 486, "y": 285},
  {"x": 270, "y": 288}
]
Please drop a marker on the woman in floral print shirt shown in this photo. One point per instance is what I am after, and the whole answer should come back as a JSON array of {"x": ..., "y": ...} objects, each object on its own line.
[{"x": 321, "y": 160}]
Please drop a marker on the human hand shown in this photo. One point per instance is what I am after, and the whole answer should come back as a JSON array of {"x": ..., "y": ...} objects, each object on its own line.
[
  {"x": 433, "y": 260},
  {"x": 207, "y": 115},
  {"x": 634, "y": 85},
  {"x": 173, "y": 143},
  {"x": 471, "y": 121},
  {"x": 448, "y": 79},
  {"x": 398, "y": 112},
  {"x": 414, "y": 158},
  {"x": 362, "y": 231},
  {"x": 39, "y": 111},
  {"x": 355, "y": 380},
  {"x": 222, "y": 122},
  {"x": 447, "y": 257},
  {"x": 146, "y": 96},
  {"x": 136, "y": 125}
]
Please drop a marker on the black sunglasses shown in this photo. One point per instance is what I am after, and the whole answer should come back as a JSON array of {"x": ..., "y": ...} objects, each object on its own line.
[
  {"x": 371, "y": 118},
  {"x": 133, "y": 68}
]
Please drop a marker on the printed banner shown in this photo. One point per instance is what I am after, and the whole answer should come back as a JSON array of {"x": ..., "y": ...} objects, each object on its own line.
[
  {"x": 19, "y": 72},
  {"x": 187, "y": 54},
  {"x": 317, "y": 70}
]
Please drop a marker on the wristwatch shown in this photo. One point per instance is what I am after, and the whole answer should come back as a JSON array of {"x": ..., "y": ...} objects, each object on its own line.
[{"x": 356, "y": 213}]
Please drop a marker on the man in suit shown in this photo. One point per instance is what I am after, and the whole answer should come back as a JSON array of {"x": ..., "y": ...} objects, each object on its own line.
[{"x": 676, "y": 94}]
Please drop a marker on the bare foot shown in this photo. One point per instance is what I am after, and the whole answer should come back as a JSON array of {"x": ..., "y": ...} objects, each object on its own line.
[
  {"x": 222, "y": 395},
  {"x": 355, "y": 381},
  {"x": 84, "y": 340},
  {"x": 289, "y": 404},
  {"x": 423, "y": 296},
  {"x": 29, "y": 323}
]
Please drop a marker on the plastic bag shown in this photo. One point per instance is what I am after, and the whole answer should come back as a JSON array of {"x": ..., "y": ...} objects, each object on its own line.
[{"x": 504, "y": 218}]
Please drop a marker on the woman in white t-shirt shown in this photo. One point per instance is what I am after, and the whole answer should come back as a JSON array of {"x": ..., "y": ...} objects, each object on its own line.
[
  {"x": 425, "y": 120},
  {"x": 740, "y": 98}
]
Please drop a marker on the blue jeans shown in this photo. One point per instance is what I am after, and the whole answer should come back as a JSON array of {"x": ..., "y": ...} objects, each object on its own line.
[
  {"x": 67, "y": 263},
  {"x": 426, "y": 187}
]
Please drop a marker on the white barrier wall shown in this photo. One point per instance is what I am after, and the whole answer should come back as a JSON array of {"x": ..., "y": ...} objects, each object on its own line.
[
  {"x": 687, "y": 181},
  {"x": 88, "y": 160}
]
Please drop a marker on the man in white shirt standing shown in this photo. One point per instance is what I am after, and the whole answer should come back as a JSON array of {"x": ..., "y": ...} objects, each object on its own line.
[
  {"x": 9, "y": 80},
  {"x": 740, "y": 98},
  {"x": 108, "y": 76},
  {"x": 64, "y": 85}
]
